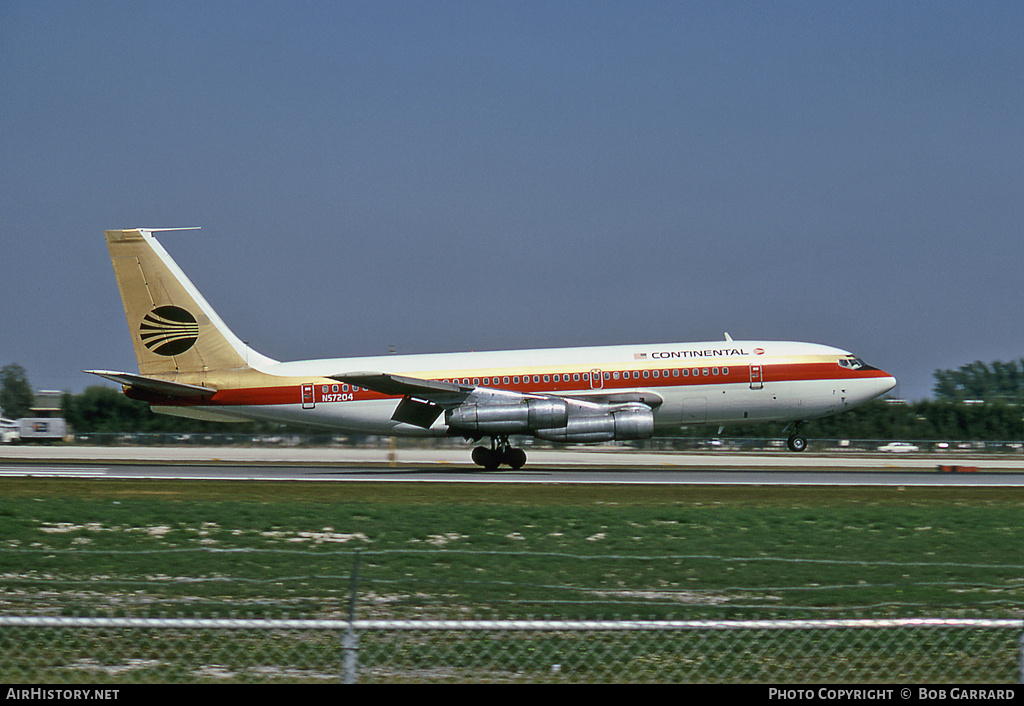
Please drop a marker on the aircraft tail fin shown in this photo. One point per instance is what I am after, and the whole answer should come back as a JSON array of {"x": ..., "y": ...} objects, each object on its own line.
[{"x": 173, "y": 328}]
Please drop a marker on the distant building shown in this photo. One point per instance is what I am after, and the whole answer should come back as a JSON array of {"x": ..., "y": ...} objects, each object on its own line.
[
  {"x": 44, "y": 424},
  {"x": 47, "y": 403}
]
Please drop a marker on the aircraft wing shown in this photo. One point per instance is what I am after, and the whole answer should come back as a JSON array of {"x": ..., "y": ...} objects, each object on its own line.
[
  {"x": 449, "y": 394},
  {"x": 388, "y": 384},
  {"x": 155, "y": 385},
  {"x": 423, "y": 401},
  {"x": 647, "y": 397}
]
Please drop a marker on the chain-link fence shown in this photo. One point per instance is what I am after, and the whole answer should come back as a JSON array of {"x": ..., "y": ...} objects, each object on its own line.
[{"x": 166, "y": 650}]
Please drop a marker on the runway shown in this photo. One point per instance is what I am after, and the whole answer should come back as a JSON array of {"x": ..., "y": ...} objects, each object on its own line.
[{"x": 545, "y": 466}]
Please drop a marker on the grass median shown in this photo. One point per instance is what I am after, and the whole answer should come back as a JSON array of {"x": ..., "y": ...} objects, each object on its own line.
[{"x": 222, "y": 548}]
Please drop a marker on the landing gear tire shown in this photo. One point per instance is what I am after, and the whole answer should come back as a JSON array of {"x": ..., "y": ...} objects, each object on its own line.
[
  {"x": 796, "y": 443},
  {"x": 514, "y": 458},
  {"x": 499, "y": 453},
  {"x": 488, "y": 458}
]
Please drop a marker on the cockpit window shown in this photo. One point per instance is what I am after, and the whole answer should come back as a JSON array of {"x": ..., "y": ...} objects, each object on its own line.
[{"x": 851, "y": 362}]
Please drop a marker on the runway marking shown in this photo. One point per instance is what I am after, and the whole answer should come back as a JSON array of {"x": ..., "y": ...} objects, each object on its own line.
[{"x": 52, "y": 471}]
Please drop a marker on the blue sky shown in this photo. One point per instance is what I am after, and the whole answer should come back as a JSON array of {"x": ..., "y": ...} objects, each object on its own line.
[{"x": 443, "y": 176}]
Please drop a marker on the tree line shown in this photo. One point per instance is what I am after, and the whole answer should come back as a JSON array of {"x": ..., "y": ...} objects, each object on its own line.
[
  {"x": 976, "y": 402},
  {"x": 988, "y": 382}
]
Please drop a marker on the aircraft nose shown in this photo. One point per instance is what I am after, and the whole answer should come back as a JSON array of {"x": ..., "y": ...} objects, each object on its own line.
[{"x": 885, "y": 384}]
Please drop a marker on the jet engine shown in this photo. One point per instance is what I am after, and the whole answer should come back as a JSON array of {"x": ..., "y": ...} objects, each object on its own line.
[
  {"x": 520, "y": 417},
  {"x": 618, "y": 423},
  {"x": 555, "y": 419}
]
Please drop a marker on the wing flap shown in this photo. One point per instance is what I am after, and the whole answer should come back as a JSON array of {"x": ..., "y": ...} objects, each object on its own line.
[{"x": 419, "y": 413}]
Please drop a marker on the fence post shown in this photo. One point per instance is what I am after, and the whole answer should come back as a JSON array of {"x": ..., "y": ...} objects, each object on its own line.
[
  {"x": 1021, "y": 655},
  {"x": 350, "y": 643}
]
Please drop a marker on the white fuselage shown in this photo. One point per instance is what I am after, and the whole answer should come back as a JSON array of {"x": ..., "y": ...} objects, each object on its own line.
[{"x": 685, "y": 383}]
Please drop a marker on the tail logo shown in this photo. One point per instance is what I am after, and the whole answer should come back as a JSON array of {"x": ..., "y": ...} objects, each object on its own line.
[{"x": 169, "y": 330}]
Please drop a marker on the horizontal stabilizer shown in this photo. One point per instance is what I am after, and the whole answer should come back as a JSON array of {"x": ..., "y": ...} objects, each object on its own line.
[
  {"x": 200, "y": 413},
  {"x": 155, "y": 385}
]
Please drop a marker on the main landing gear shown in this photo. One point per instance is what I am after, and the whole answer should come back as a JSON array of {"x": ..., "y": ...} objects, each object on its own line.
[
  {"x": 796, "y": 441},
  {"x": 499, "y": 453}
]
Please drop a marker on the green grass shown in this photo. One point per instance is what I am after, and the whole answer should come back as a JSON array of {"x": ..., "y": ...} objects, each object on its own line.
[{"x": 467, "y": 550}]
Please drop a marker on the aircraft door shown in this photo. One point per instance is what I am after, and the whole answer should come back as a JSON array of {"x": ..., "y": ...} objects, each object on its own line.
[
  {"x": 596, "y": 379},
  {"x": 756, "y": 377},
  {"x": 308, "y": 399}
]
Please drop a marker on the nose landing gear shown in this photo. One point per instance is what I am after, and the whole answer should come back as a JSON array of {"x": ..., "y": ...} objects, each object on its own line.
[{"x": 796, "y": 441}]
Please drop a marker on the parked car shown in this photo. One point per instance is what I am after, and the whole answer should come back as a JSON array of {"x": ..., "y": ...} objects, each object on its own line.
[{"x": 898, "y": 447}]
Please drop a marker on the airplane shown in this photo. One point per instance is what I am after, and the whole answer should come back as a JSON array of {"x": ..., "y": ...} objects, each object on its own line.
[{"x": 192, "y": 365}]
